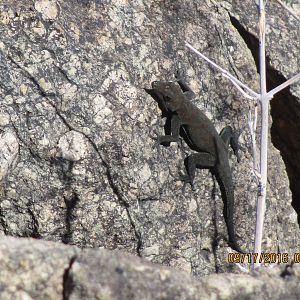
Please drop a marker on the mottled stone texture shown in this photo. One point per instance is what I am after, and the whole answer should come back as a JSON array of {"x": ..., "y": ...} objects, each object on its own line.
[
  {"x": 283, "y": 61},
  {"x": 32, "y": 269},
  {"x": 78, "y": 164}
]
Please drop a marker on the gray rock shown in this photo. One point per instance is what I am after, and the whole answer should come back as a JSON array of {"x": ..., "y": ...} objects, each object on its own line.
[
  {"x": 87, "y": 173},
  {"x": 283, "y": 61},
  {"x": 9, "y": 147},
  {"x": 72, "y": 146},
  {"x": 32, "y": 269}
]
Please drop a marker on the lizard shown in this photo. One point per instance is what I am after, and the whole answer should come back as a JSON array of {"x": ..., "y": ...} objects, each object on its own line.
[{"x": 202, "y": 136}]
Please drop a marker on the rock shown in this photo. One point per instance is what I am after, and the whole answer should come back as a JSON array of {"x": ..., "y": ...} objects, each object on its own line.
[
  {"x": 282, "y": 49},
  {"x": 86, "y": 171},
  {"x": 72, "y": 146},
  {"x": 48, "y": 9},
  {"x": 9, "y": 147},
  {"x": 33, "y": 269}
]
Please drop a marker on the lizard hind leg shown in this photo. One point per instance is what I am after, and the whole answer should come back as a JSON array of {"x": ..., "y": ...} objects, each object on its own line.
[
  {"x": 229, "y": 137},
  {"x": 200, "y": 160}
]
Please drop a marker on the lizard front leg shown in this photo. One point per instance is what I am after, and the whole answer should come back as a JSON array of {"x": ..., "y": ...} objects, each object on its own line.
[{"x": 174, "y": 136}]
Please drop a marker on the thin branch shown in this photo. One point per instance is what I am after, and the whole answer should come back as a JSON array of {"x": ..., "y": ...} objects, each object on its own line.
[
  {"x": 289, "y": 10},
  {"x": 283, "y": 85},
  {"x": 224, "y": 72},
  {"x": 264, "y": 101},
  {"x": 247, "y": 96},
  {"x": 252, "y": 123},
  {"x": 262, "y": 50}
]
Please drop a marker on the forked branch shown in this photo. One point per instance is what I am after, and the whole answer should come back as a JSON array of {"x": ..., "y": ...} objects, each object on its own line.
[{"x": 264, "y": 99}]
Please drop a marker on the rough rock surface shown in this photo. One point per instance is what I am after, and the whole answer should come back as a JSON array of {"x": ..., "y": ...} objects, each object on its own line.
[
  {"x": 283, "y": 62},
  {"x": 32, "y": 269},
  {"x": 81, "y": 167}
]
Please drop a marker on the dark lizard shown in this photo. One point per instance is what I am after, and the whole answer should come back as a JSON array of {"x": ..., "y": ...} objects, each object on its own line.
[{"x": 212, "y": 148}]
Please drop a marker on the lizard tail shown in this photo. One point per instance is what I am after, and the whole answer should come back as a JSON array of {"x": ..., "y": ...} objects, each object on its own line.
[{"x": 224, "y": 178}]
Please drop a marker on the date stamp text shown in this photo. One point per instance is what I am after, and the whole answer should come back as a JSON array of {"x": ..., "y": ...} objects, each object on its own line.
[{"x": 263, "y": 258}]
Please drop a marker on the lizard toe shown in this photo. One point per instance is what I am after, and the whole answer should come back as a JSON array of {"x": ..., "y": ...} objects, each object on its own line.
[
  {"x": 178, "y": 74},
  {"x": 187, "y": 180}
]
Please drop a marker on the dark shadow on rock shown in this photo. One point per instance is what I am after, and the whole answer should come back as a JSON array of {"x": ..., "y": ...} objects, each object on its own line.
[
  {"x": 65, "y": 166},
  {"x": 69, "y": 217}
]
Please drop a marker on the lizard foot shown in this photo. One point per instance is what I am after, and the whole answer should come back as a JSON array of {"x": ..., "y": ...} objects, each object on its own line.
[
  {"x": 158, "y": 141},
  {"x": 238, "y": 157},
  {"x": 187, "y": 180},
  {"x": 178, "y": 75}
]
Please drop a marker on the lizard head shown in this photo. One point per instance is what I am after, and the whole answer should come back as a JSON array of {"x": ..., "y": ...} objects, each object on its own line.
[{"x": 170, "y": 91}]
